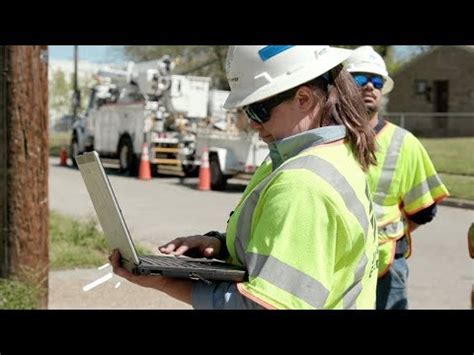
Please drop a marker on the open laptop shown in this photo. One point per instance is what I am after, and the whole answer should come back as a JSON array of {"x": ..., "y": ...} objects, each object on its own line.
[{"x": 118, "y": 236}]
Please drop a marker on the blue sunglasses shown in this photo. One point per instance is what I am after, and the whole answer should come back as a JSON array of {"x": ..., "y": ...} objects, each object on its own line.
[
  {"x": 261, "y": 112},
  {"x": 363, "y": 79}
]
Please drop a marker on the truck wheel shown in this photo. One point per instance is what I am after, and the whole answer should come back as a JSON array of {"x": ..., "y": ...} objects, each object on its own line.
[
  {"x": 127, "y": 158},
  {"x": 191, "y": 170},
  {"x": 218, "y": 180},
  {"x": 154, "y": 170},
  {"x": 74, "y": 150}
]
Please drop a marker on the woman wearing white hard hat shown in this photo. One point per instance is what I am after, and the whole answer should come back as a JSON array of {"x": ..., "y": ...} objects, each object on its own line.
[{"x": 303, "y": 229}]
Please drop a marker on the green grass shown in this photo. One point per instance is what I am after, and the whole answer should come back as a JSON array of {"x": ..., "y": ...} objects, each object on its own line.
[
  {"x": 454, "y": 161},
  {"x": 451, "y": 155},
  {"x": 73, "y": 244},
  {"x": 76, "y": 243},
  {"x": 459, "y": 186},
  {"x": 57, "y": 140},
  {"x": 18, "y": 295}
]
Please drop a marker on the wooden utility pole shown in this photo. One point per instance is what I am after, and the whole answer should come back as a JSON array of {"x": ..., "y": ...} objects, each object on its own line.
[
  {"x": 3, "y": 163},
  {"x": 24, "y": 211}
]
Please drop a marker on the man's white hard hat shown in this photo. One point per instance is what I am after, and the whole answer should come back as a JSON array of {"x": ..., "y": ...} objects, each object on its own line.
[
  {"x": 366, "y": 60},
  {"x": 259, "y": 72}
]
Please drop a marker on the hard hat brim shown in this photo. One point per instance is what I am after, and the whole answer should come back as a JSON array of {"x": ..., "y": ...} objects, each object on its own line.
[
  {"x": 334, "y": 57},
  {"x": 388, "y": 86}
]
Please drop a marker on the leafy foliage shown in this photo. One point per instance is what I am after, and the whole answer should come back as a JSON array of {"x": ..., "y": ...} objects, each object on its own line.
[{"x": 194, "y": 60}]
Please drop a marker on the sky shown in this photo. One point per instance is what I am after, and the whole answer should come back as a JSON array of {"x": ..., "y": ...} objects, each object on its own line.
[
  {"x": 96, "y": 54},
  {"x": 111, "y": 54},
  {"x": 402, "y": 52}
]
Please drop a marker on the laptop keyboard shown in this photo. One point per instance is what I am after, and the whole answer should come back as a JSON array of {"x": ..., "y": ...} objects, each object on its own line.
[{"x": 159, "y": 260}]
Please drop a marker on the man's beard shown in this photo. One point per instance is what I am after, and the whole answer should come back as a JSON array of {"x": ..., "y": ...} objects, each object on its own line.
[{"x": 372, "y": 109}]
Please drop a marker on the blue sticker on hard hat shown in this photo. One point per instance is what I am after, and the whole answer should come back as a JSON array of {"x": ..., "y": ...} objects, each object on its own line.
[{"x": 270, "y": 51}]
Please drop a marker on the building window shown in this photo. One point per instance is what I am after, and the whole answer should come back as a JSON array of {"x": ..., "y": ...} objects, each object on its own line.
[{"x": 420, "y": 86}]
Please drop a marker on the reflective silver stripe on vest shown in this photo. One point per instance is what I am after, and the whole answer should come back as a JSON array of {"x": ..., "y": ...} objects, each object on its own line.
[
  {"x": 379, "y": 211},
  {"x": 389, "y": 165},
  {"x": 294, "y": 281},
  {"x": 422, "y": 188},
  {"x": 321, "y": 168},
  {"x": 350, "y": 296},
  {"x": 242, "y": 232}
]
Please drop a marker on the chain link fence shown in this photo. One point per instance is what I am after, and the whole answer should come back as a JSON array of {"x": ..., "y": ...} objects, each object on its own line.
[{"x": 434, "y": 124}]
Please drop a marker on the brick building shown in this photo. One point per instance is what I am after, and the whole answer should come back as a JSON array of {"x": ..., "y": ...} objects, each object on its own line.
[{"x": 435, "y": 92}]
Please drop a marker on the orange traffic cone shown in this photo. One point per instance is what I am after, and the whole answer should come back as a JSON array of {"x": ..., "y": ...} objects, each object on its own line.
[
  {"x": 204, "y": 171},
  {"x": 63, "y": 157},
  {"x": 144, "y": 172}
]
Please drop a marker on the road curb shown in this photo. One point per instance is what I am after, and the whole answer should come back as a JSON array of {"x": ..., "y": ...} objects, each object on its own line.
[{"x": 453, "y": 202}]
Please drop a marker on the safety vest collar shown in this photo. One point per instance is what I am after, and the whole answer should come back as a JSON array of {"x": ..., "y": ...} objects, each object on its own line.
[
  {"x": 289, "y": 147},
  {"x": 379, "y": 126}
]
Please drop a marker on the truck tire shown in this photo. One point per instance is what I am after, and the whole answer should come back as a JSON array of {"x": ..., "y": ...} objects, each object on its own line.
[
  {"x": 191, "y": 170},
  {"x": 128, "y": 160},
  {"x": 74, "y": 150},
  {"x": 218, "y": 180},
  {"x": 154, "y": 170}
]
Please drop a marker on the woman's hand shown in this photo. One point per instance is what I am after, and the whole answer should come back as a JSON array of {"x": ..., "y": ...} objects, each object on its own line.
[
  {"x": 155, "y": 282},
  {"x": 177, "y": 288},
  {"x": 196, "y": 245}
]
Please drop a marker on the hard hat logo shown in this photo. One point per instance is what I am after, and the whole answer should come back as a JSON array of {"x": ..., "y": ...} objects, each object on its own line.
[
  {"x": 366, "y": 60},
  {"x": 256, "y": 73},
  {"x": 268, "y": 52}
]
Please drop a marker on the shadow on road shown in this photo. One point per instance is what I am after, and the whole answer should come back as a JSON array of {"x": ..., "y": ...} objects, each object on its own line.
[{"x": 230, "y": 188}]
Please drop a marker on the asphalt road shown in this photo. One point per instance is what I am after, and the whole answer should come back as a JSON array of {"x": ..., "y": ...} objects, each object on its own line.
[{"x": 156, "y": 211}]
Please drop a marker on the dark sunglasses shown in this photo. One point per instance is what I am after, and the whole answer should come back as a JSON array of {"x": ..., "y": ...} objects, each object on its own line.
[
  {"x": 363, "y": 79},
  {"x": 260, "y": 112}
]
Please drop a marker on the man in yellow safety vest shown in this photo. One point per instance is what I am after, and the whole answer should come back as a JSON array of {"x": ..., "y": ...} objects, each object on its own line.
[{"x": 404, "y": 184}]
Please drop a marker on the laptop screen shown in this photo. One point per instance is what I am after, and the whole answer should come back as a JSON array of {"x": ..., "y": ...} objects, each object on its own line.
[{"x": 107, "y": 207}]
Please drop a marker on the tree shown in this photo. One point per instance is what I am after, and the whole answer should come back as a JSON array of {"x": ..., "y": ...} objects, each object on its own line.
[
  {"x": 194, "y": 60},
  {"x": 60, "y": 92},
  {"x": 24, "y": 151},
  {"x": 61, "y": 89}
]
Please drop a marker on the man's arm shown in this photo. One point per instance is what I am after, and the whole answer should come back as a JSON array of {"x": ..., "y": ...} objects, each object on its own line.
[{"x": 422, "y": 217}]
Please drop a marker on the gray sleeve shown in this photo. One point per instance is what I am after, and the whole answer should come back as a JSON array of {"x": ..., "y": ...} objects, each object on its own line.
[
  {"x": 220, "y": 295},
  {"x": 224, "y": 253}
]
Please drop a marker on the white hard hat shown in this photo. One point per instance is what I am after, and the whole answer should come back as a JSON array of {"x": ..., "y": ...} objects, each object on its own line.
[
  {"x": 366, "y": 60},
  {"x": 258, "y": 72}
]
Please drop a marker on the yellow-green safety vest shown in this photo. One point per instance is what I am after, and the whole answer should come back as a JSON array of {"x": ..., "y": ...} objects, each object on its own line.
[
  {"x": 306, "y": 232},
  {"x": 403, "y": 183}
]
